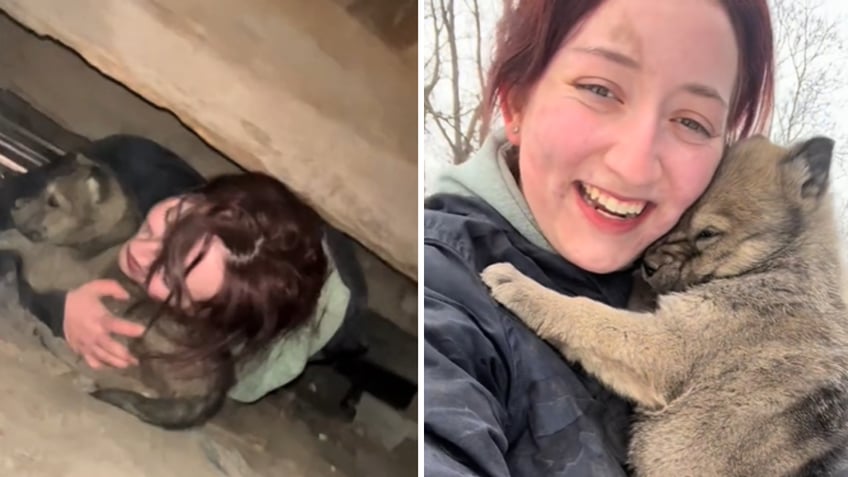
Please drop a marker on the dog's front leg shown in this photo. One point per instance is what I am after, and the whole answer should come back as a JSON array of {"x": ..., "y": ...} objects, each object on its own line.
[{"x": 636, "y": 354}]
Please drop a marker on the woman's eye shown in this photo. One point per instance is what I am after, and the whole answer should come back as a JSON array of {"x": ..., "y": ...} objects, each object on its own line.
[
  {"x": 598, "y": 90},
  {"x": 689, "y": 123},
  {"x": 52, "y": 201}
]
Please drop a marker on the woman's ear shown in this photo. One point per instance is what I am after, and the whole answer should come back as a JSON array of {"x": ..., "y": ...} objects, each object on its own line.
[{"x": 512, "y": 117}]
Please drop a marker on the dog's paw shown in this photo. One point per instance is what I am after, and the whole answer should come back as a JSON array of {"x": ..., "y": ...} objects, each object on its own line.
[
  {"x": 500, "y": 274},
  {"x": 507, "y": 285}
]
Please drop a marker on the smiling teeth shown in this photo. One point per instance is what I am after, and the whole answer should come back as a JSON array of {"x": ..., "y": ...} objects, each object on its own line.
[{"x": 611, "y": 204}]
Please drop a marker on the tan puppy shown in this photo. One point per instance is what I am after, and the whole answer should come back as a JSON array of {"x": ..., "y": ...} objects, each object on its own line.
[{"x": 742, "y": 369}]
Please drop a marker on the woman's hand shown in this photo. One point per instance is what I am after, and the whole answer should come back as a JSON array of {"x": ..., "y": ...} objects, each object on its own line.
[{"x": 88, "y": 325}]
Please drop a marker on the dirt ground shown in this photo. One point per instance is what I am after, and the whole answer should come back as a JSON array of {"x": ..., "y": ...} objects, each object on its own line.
[{"x": 50, "y": 427}]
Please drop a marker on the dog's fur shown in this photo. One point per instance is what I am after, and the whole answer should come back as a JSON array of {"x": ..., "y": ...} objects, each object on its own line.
[
  {"x": 742, "y": 367},
  {"x": 68, "y": 233},
  {"x": 179, "y": 394}
]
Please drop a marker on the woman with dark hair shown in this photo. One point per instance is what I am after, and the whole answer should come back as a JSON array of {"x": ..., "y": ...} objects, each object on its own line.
[
  {"x": 616, "y": 116},
  {"x": 246, "y": 262},
  {"x": 242, "y": 256}
]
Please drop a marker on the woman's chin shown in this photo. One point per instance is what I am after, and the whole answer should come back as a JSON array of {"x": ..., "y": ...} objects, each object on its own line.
[
  {"x": 601, "y": 256},
  {"x": 608, "y": 265}
]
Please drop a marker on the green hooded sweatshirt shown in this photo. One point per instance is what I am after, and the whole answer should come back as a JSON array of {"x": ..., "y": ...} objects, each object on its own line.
[
  {"x": 286, "y": 357},
  {"x": 487, "y": 175}
]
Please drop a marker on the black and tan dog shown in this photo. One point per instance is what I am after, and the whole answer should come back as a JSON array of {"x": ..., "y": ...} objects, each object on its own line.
[{"x": 68, "y": 232}]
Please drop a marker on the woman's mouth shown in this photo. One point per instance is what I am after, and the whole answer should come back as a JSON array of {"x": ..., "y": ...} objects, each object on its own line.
[
  {"x": 609, "y": 206},
  {"x": 134, "y": 266}
]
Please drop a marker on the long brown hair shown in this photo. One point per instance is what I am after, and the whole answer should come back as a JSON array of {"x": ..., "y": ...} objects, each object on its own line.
[
  {"x": 274, "y": 273},
  {"x": 530, "y": 33}
]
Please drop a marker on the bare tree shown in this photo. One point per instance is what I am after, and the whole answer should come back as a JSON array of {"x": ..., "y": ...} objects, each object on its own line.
[
  {"x": 810, "y": 64},
  {"x": 453, "y": 73},
  {"x": 808, "y": 46}
]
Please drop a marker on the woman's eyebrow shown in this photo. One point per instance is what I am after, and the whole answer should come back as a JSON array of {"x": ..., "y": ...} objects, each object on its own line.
[
  {"x": 704, "y": 91},
  {"x": 697, "y": 89},
  {"x": 611, "y": 55}
]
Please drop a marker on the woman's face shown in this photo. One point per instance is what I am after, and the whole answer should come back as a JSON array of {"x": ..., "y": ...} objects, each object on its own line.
[
  {"x": 624, "y": 129},
  {"x": 137, "y": 255}
]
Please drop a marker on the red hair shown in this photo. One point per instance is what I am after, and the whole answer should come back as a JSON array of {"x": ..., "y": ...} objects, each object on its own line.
[
  {"x": 531, "y": 31},
  {"x": 274, "y": 273}
]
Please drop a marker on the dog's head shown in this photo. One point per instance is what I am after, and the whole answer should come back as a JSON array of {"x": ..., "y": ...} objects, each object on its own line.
[
  {"x": 761, "y": 199},
  {"x": 76, "y": 201}
]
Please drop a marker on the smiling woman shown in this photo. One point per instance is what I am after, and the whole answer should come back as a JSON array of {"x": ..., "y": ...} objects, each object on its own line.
[
  {"x": 641, "y": 128},
  {"x": 617, "y": 113},
  {"x": 241, "y": 256}
]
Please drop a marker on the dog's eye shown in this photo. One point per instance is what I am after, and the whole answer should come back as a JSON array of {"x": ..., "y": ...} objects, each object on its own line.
[
  {"x": 707, "y": 234},
  {"x": 52, "y": 202}
]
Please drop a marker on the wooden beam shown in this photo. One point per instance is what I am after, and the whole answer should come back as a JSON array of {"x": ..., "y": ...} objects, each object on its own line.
[
  {"x": 299, "y": 89},
  {"x": 393, "y": 21}
]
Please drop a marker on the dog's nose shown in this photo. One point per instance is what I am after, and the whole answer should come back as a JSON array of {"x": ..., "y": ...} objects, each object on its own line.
[{"x": 648, "y": 269}]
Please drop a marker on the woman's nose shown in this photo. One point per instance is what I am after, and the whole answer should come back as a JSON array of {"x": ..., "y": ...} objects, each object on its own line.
[
  {"x": 146, "y": 251},
  {"x": 635, "y": 155}
]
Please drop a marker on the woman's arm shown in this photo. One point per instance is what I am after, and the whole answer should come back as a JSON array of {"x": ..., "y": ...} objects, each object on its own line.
[
  {"x": 465, "y": 377},
  {"x": 78, "y": 316},
  {"x": 498, "y": 400}
]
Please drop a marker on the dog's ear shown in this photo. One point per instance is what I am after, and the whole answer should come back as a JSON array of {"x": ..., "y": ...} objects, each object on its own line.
[
  {"x": 808, "y": 167},
  {"x": 97, "y": 184}
]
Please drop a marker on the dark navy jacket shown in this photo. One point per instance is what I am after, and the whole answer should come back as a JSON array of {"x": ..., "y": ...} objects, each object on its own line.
[{"x": 498, "y": 401}]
